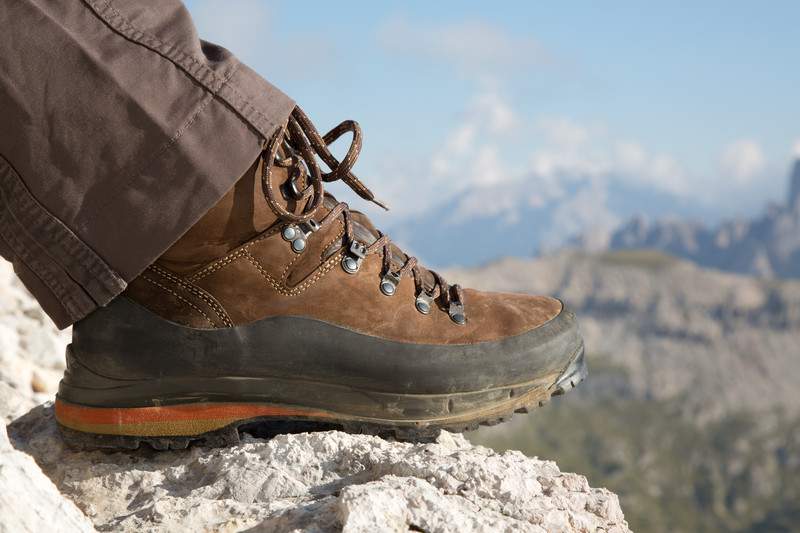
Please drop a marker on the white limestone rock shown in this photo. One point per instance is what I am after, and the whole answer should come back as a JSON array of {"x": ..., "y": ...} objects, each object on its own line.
[
  {"x": 29, "y": 502},
  {"x": 31, "y": 348},
  {"x": 319, "y": 482},
  {"x": 13, "y": 403}
]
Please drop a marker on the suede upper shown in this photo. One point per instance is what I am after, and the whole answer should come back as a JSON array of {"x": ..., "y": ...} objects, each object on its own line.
[
  {"x": 263, "y": 277},
  {"x": 234, "y": 267}
]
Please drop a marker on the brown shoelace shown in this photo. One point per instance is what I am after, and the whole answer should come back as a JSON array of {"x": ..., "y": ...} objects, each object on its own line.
[{"x": 302, "y": 144}]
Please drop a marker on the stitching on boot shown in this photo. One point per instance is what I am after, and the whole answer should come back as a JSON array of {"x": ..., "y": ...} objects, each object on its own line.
[
  {"x": 213, "y": 267},
  {"x": 223, "y": 261},
  {"x": 196, "y": 291},
  {"x": 285, "y": 273},
  {"x": 282, "y": 289},
  {"x": 337, "y": 238},
  {"x": 181, "y": 298}
]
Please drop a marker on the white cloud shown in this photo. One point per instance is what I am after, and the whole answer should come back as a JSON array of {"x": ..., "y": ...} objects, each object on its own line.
[
  {"x": 632, "y": 156},
  {"x": 245, "y": 27},
  {"x": 562, "y": 148},
  {"x": 571, "y": 150},
  {"x": 488, "y": 169},
  {"x": 743, "y": 161},
  {"x": 474, "y": 47},
  {"x": 564, "y": 132},
  {"x": 461, "y": 139},
  {"x": 796, "y": 149},
  {"x": 238, "y": 25},
  {"x": 472, "y": 152},
  {"x": 556, "y": 162},
  {"x": 471, "y": 156},
  {"x": 586, "y": 211},
  {"x": 496, "y": 111},
  {"x": 497, "y": 161},
  {"x": 561, "y": 161},
  {"x": 500, "y": 202},
  {"x": 633, "y": 163}
]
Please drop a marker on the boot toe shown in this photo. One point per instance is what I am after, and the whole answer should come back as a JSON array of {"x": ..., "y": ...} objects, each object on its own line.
[
  {"x": 530, "y": 337},
  {"x": 499, "y": 315}
]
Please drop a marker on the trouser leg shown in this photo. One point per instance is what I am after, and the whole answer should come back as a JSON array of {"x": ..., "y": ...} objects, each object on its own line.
[{"x": 119, "y": 128}]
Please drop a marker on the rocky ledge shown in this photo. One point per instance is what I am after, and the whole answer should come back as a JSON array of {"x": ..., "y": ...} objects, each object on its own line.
[
  {"x": 305, "y": 482},
  {"x": 327, "y": 481}
]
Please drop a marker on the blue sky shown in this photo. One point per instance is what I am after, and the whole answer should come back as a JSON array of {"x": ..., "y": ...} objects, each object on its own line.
[{"x": 694, "y": 99}]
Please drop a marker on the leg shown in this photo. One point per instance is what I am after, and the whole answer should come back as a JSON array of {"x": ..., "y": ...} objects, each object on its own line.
[
  {"x": 266, "y": 301},
  {"x": 120, "y": 129}
]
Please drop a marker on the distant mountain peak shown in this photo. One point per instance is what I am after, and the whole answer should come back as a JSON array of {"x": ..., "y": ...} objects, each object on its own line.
[
  {"x": 794, "y": 188},
  {"x": 767, "y": 246}
]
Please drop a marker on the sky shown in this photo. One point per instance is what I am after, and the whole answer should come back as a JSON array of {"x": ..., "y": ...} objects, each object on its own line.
[{"x": 694, "y": 99}]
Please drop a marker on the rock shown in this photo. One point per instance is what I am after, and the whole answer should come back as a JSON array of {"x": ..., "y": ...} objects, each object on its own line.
[
  {"x": 327, "y": 481},
  {"x": 29, "y": 502},
  {"x": 13, "y": 403},
  {"x": 31, "y": 348}
]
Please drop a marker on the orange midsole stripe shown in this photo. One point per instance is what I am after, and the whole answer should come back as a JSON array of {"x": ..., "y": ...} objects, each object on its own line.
[{"x": 72, "y": 413}]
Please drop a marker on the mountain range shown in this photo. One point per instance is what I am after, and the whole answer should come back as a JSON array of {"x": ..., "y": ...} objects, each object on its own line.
[
  {"x": 690, "y": 413},
  {"x": 526, "y": 218},
  {"x": 766, "y": 246}
]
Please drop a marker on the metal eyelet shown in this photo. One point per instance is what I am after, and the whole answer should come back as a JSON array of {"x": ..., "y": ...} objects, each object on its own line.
[
  {"x": 352, "y": 259},
  {"x": 456, "y": 312},
  {"x": 298, "y": 234},
  {"x": 424, "y": 302},
  {"x": 289, "y": 232},
  {"x": 298, "y": 245},
  {"x": 290, "y": 190},
  {"x": 389, "y": 283}
]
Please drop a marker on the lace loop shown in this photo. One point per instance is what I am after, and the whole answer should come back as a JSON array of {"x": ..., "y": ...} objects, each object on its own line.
[{"x": 302, "y": 142}]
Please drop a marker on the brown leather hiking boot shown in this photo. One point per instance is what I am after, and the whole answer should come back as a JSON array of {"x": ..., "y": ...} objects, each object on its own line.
[{"x": 283, "y": 309}]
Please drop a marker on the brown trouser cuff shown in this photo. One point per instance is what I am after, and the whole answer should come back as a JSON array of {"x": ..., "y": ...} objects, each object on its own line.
[{"x": 120, "y": 130}]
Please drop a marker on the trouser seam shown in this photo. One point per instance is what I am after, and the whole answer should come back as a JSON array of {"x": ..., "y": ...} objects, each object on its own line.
[
  {"x": 166, "y": 147},
  {"x": 198, "y": 71}
]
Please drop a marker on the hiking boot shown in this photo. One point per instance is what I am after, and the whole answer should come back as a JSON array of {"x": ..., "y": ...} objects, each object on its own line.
[{"x": 284, "y": 310}]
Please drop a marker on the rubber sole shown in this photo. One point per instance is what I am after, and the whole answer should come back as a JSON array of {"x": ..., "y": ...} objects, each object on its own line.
[{"x": 217, "y": 424}]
